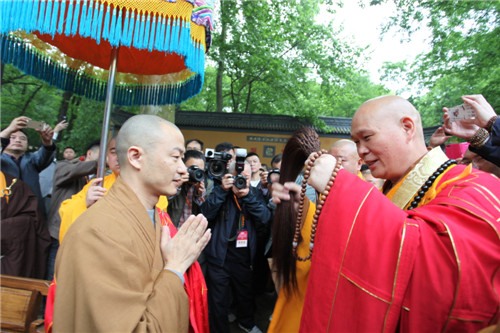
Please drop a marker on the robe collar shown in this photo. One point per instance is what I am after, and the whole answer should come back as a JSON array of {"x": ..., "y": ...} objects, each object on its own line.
[{"x": 404, "y": 191}]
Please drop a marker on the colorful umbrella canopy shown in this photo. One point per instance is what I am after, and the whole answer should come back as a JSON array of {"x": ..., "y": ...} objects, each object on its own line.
[{"x": 162, "y": 46}]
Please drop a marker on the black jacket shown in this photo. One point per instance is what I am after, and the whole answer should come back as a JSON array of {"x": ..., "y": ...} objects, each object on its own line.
[{"x": 222, "y": 213}]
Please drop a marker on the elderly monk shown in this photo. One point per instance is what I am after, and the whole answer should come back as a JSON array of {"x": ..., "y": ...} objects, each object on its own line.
[
  {"x": 345, "y": 150},
  {"x": 119, "y": 269},
  {"x": 423, "y": 258}
]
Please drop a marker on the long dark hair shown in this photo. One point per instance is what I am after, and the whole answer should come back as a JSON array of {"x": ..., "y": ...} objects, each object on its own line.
[{"x": 303, "y": 142}]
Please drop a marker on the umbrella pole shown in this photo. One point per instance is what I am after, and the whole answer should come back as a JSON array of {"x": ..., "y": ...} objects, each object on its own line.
[{"x": 107, "y": 112}]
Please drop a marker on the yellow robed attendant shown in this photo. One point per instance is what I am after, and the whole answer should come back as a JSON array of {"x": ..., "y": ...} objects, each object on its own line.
[
  {"x": 288, "y": 308},
  {"x": 72, "y": 208}
]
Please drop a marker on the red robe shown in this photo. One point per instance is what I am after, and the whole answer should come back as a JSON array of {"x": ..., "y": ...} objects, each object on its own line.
[{"x": 378, "y": 268}]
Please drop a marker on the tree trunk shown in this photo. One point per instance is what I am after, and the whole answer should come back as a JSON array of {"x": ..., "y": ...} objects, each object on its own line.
[
  {"x": 63, "y": 109},
  {"x": 248, "y": 96},
  {"x": 23, "y": 111},
  {"x": 220, "y": 64}
]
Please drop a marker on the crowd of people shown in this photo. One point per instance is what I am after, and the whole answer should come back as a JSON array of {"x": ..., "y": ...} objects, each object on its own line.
[{"x": 363, "y": 237}]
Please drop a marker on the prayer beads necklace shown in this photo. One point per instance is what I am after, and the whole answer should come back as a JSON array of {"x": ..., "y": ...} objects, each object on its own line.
[
  {"x": 309, "y": 164},
  {"x": 427, "y": 185}
]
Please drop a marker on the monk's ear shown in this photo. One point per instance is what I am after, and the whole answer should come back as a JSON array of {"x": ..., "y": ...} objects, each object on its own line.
[
  {"x": 408, "y": 126},
  {"x": 135, "y": 157}
]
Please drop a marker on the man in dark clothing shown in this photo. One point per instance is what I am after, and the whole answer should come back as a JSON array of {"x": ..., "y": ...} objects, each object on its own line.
[
  {"x": 24, "y": 238},
  {"x": 233, "y": 214},
  {"x": 191, "y": 195},
  {"x": 69, "y": 178},
  {"x": 26, "y": 167}
]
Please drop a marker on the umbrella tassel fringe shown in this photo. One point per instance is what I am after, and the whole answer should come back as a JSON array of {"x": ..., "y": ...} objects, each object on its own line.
[
  {"x": 145, "y": 39},
  {"x": 60, "y": 27},
  {"x": 76, "y": 12},
  {"x": 137, "y": 30},
  {"x": 153, "y": 33},
  {"x": 105, "y": 28}
]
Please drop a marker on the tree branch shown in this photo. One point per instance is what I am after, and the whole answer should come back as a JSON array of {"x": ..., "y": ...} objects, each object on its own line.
[{"x": 23, "y": 111}]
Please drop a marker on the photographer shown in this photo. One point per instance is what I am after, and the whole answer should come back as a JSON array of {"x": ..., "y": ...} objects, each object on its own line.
[
  {"x": 233, "y": 213},
  {"x": 27, "y": 167},
  {"x": 192, "y": 193}
]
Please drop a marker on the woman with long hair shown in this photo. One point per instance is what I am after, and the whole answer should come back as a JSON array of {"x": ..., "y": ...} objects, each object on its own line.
[{"x": 292, "y": 275}]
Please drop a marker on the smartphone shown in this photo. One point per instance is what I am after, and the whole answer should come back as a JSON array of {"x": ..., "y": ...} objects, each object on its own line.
[
  {"x": 36, "y": 125},
  {"x": 461, "y": 112}
]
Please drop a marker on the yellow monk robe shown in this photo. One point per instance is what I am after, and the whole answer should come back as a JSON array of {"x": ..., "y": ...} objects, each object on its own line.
[
  {"x": 72, "y": 208},
  {"x": 288, "y": 308}
]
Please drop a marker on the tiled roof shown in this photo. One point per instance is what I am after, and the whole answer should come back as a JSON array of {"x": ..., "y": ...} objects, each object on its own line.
[
  {"x": 256, "y": 122},
  {"x": 339, "y": 127}
]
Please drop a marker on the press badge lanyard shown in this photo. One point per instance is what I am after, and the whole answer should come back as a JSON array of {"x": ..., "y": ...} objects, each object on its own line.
[{"x": 241, "y": 235}]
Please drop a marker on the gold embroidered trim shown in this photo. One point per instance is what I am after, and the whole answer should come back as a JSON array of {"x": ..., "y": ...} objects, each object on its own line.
[
  {"x": 458, "y": 277},
  {"x": 366, "y": 291},
  {"x": 343, "y": 256},
  {"x": 418, "y": 176},
  {"x": 472, "y": 320}
]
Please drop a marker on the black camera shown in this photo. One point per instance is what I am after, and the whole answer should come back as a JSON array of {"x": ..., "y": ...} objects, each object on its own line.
[
  {"x": 196, "y": 174},
  {"x": 273, "y": 176},
  {"x": 240, "y": 181},
  {"x": 216, "y": 163}
]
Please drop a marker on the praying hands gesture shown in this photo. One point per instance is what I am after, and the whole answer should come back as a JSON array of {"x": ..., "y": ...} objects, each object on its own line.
[{"x": 182, "y": 250}]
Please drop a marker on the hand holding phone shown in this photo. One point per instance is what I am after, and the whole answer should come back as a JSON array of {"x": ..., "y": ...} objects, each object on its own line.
[
  {"x": 461, "y": 112},
  {"x": 36, "y": 125}
]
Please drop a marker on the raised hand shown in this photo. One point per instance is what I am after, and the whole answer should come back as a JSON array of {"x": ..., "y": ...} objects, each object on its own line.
[{"x": 181, "y": 251}]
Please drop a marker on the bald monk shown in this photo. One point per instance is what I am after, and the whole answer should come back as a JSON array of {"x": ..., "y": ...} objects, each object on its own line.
[
  {"x": 345, "y": 150},
  {"x": 119, "y": 269},
  {"x": 424, "y": 257}
]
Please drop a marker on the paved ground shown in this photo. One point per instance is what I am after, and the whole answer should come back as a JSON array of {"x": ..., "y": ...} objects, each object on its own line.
[{"x": 264, "y": 305}]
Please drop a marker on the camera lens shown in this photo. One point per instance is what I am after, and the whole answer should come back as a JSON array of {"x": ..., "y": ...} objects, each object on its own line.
[
  {"x": 196, "y": 175},
  {"x": 217, "y": 168},
  {"x": 240, "y": 182}
]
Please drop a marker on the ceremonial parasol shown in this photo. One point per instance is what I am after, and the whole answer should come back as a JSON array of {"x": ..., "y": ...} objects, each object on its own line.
[{"x": 154, "y": 49}]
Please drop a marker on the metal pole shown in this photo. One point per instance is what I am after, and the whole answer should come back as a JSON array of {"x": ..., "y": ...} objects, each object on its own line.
[{"x": 107, "y": 112}]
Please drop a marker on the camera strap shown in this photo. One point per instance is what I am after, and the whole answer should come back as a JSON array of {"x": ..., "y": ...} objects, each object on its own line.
[
  {"x": 241, "y": 236},
  {"x": 241, "y": 222}
]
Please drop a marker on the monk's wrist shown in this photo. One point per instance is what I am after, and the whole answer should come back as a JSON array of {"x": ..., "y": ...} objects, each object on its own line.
[{"x": 176, "y": 273}]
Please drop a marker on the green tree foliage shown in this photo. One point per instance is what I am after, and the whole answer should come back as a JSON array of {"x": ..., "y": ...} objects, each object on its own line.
[
  {"x": 464, "y": 55},
  {"x": 273, "y": 57},
  {"x": 23, "y": 95},
  {"x": 267, "y": 57}
]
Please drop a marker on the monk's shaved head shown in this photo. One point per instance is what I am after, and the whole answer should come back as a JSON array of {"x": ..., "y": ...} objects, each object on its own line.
[
  {"x": 346, "y": 151},
  {"x": 143, "y": 131},
  {"x": 392, "y": 108},
  {"x": 349, "y": 146},
  {"x": 150, "y": 150},
  {"x": 388, "y": 134}
]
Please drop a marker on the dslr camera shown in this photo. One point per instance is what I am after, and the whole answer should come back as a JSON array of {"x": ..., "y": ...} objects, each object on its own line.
[
  {"x": 196, "y": 174},
  {"x": 240, "y": 181},
  {"x": 273, "y": 176},
  {"x": 216, "y": 163}
]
